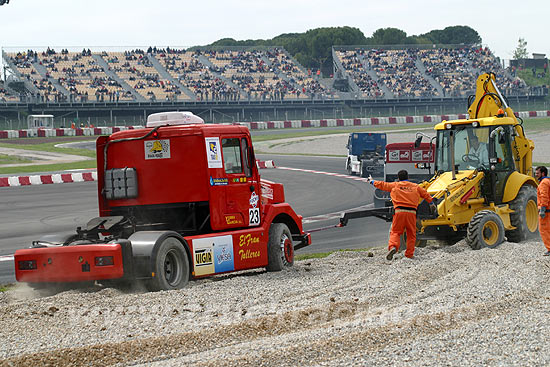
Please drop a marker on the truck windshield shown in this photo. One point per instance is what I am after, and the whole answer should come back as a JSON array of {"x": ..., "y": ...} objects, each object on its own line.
[{"x": 471, "y": 148}]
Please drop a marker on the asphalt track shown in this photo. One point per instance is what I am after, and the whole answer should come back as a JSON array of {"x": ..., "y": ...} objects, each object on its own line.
[{"x": 28, "y": 212}]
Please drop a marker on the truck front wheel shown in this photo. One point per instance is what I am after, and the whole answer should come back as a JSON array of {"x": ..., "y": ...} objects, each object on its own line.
[
  {"x": 280, "y": 250},
  {"x": 171, "y": 266}
]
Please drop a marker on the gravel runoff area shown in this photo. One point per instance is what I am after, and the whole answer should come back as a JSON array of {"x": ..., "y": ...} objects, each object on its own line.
[{"x": 448, "y": 306}]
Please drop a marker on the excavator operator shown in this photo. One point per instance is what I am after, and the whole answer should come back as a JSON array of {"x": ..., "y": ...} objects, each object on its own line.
[{"x": 405, "y": 196}]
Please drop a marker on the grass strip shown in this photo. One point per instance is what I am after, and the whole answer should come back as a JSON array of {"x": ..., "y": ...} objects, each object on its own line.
[
  {"x": 89, "y": 164},
  {"x": 322, "y": 255},
  {"x": 11, "y": 159},
  {"x": 50, "y": 147}
]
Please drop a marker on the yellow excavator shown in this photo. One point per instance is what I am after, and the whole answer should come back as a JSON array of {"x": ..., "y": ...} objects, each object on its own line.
[{"x": 483, "y": 178}]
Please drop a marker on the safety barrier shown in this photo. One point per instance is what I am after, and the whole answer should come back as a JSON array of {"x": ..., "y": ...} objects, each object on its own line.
[{"x": 363, "y": 121}]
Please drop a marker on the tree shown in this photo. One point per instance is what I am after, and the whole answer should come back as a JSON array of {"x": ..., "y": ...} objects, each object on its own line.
[
  {"x": 521, "y": 51},
  {"x": 453, "y": 35},
  {"x": 389, "y": 36}
]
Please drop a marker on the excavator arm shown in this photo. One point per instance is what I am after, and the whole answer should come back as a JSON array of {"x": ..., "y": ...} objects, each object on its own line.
[{"x": 488, "y": 102}]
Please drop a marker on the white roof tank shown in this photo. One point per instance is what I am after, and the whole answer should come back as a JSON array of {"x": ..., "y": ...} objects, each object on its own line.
[{"x": 173, "y": 118}]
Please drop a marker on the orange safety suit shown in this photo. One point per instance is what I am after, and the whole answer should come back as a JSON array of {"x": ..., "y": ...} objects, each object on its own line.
[
  {"x": 543, "y": 199},
  {"x": 405, "y": 196}
]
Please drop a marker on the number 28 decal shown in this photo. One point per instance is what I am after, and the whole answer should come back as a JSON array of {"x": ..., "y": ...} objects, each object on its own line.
[{"x": 254, "y": 216}]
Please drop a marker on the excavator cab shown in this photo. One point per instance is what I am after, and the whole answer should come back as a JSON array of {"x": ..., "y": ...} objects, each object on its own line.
[{"x": 487, "y": 149}]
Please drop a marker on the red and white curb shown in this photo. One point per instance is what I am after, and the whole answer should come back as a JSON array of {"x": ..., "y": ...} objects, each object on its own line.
[
  {"x": 48, "y": 179},
  {"x": 6, "y": 258}
]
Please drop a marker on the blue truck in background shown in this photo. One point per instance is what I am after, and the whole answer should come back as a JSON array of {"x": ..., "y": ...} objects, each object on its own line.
[{"x": 366, "y": 153}]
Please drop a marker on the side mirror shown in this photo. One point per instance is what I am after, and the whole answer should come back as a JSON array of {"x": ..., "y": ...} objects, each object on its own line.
[{"x": 418, "y": 141}]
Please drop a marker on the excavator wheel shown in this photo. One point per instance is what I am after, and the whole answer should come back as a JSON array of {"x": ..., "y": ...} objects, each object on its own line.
[
  {"x": 485, "y": 230},
  {"x": 525, "y": 215}
]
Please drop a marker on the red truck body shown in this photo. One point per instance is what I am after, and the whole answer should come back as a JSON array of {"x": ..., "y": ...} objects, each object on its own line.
[{"x": 174, "y": 199}]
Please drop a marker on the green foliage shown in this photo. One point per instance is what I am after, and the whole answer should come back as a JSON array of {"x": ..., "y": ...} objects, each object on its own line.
[
  {"x": 453, "y": 35},
  {"x": 527, "y": 76},
  {"x": 388, "y": 36},
  {"x": 521, "y": 51},
  {"x": 5, "y": 287}
]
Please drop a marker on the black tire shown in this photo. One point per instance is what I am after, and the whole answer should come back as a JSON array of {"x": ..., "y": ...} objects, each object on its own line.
[
  {"x": 403, "y": 242},
  {"x": 417, "y": 244},
  {"x": 525, "y": 215},
  {"x": 485, "y": 230},
  {"x": 171, "y": 266},
  {"x": 348, "y": 168},
  {"x": 280, "y": 250}
]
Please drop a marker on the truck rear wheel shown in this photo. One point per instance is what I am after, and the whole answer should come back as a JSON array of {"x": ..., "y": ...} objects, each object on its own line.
[
  {"x": 525, "y": 215},
  {"x": 485, "y": 230},
  {"x": 171, "y": 266},
  {"x": 280, "y": 250}
]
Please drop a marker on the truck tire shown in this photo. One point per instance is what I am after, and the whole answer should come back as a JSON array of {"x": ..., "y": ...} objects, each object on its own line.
[
  {"x": 171, "y": 266},
  {"x": 348, "y": 168},
  {"x": 525, "y": 215},
  {"x": 485, "y": 230},
  {"x": 280, "y": 250}
]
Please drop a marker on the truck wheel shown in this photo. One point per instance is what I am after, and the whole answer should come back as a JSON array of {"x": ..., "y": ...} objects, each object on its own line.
[
  {"x": 485, "y": 230},
  {"x": 348, "y": 168},
  {"x": 171, "y": 266},
  {"x": 280, "y": 250},
  {"x": 525, "y": 215}
]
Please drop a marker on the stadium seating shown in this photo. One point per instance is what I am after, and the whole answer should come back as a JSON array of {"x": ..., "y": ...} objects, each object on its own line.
[
  {"x": 454, "y": 70},
  {"x": 246, "y": 74}
]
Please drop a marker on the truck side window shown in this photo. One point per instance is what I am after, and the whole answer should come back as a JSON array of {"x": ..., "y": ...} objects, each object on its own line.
[
  {"x": 231, "y": 152},
  {"x": 246, "y": 158}
]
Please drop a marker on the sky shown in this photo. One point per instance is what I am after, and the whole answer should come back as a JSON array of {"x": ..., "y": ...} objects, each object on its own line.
[{"x": 183, "y": 23}]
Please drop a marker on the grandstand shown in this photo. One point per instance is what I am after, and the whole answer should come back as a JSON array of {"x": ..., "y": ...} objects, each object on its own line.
[
  {"x": 164, "y": 75},
  {"x": 235, "y": 74},
  {"x": 246, "y": 83},
  {"x": 414, "y": 71}
]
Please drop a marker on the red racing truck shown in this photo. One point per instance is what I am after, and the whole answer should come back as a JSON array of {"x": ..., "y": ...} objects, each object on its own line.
[{"x": 179, "y": 199}]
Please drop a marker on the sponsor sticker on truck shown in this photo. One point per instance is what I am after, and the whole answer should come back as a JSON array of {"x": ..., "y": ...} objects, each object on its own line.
[
  {"x": 157, "y": 149},
  {"x": 213, "y": 255},
  {"x": 213, "y": 152}
]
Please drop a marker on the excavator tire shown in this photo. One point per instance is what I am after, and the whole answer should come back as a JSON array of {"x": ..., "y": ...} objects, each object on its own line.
[
  {"x": 525, "y": 215},
  {"x": 485, "y": 230}
]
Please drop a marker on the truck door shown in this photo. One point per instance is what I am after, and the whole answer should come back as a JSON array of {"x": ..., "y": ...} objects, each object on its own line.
[{"x": 242, "y": 192}]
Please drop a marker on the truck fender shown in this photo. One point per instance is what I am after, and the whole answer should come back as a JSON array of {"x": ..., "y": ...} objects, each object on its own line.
[
  {"x": 515, "y": 181},
  {"x": 145, "y": 246}
]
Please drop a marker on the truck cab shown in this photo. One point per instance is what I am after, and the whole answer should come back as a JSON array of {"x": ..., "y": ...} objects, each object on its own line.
[{"x": 366, "y": 154}]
